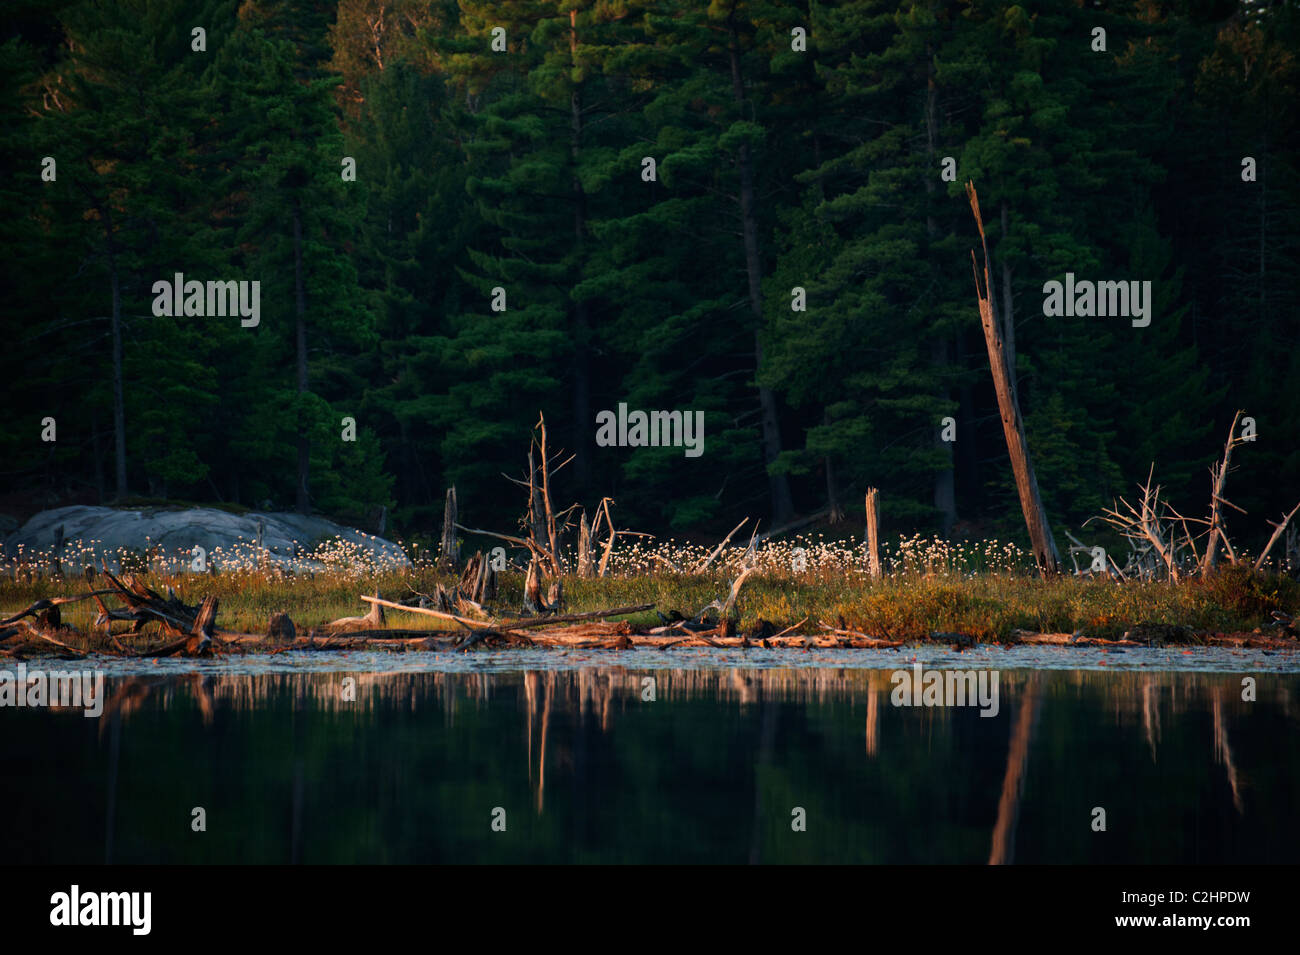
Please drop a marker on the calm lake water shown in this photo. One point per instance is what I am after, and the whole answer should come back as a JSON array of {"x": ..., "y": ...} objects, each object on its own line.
[{"x": 755, "y": 757}]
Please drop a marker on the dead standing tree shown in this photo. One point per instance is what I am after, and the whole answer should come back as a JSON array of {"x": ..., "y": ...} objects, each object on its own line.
[
  {"x": 449, "y": 556},
  {"x": 1031, "y": 503},
  {"x": 1152, "y": 527},
  {"x": 1218, "y": 480},
  {"x": 545, "y": 527},
  {"x": 542, "y": 529},
  {"x": 543, "y": 533}
]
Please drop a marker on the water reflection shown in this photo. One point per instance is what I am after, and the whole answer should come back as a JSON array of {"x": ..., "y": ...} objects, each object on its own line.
[{"x": 611, "y": 764}]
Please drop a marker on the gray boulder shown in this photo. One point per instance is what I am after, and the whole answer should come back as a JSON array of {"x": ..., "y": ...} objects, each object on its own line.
[{"x": 81, "y": 535}]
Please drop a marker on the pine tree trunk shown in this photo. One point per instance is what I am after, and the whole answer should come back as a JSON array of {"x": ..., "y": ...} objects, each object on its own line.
[
  {"x": 967, "y": 457},
  {"x": 300, "y": 310},
  {"x": 778, "y": 485},
  {"x": 945, "y": 488},
  {"x": 97, "y": 455},
  {"x": 115, "y": 323},
  {"x": 945, "y": 493},
  {"x": 582, "y": 420},
  {"x": 832, "y": 492},
  {"x": 119, "y": 397}
]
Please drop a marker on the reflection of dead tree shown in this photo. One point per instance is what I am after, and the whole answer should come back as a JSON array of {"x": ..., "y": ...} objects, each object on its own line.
[
  {"x": 1223, "y": 749},
  {"x": 1004, "y": 832},
  {"x": 531, "y": 680},
  {"x": 1150, "y": 717},
  {"x": 541, "y": 759},
  {"x": 873, "y": 716},
  {"x": 132, "y": 693}
]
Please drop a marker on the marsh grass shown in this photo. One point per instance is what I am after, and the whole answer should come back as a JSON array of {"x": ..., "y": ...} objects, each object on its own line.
[{"x": 985, "y": 589}]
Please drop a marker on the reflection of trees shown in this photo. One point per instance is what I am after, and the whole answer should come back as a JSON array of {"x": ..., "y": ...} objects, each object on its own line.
[
  {"x": 600, "y": 692},
  {"x": 1223, "y": 749},
  {"x": 717, "y": 760}
]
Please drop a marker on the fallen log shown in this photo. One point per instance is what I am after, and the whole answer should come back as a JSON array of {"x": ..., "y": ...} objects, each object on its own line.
[
  {"x": 528, "y": 623},
  {"x": 872, "y": 642},
  {"x": 427, "y": 611}
]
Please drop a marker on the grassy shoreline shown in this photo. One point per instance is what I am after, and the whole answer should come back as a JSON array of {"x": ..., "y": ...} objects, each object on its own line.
[{"x": 987, "y": 606}]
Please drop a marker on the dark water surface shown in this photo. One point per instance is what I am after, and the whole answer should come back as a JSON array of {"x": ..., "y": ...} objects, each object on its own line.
[{"x": 733, "y": 748}]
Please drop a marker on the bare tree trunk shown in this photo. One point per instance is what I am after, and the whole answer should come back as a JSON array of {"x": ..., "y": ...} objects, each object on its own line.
[
  {"x": 586, "y": 563},
  {"x": 874, "y": 569},
  {"x": 778, "y": 485},
  {"x": 300, "y": 309},
  {"x": 1031, "y": 503}
]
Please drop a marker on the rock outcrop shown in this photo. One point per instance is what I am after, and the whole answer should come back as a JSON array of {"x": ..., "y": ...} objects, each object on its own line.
[{"x": 82, "y": 535}]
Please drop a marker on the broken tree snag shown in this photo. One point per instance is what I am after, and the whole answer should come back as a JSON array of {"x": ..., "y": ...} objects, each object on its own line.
[
  {"x": 533, "y": 602},
  {"x": 586, "y": 561},
  {"x": 144, "y": 605},
  {"x": 485, "y": 582},
  {"x": 1031, "y": 503},
  {"x": 478, "y": 584},
  {"x": 449, "y": 555},
  {"x": 281, "y": 629},
  {"x": 874, "y": 569},
  {"x": 200, "y": 641}
]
